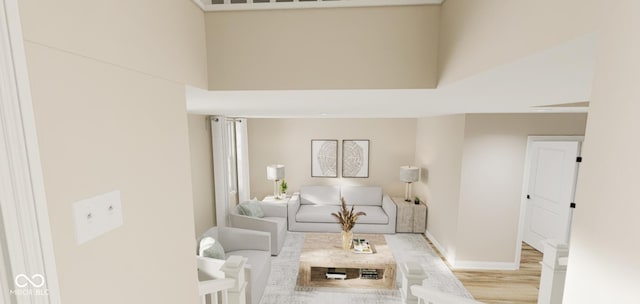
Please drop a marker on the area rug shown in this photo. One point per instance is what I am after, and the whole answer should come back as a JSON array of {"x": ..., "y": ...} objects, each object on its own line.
[{"x": 281, "y": 288}]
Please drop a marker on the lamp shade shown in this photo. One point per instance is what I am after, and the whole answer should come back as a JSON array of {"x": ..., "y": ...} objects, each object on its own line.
[
  {"x": 409, "y": 174},
  {"x": 275, "y": 172}
]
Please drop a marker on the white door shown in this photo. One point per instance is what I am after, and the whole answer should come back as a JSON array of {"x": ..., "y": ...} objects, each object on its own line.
[{"x": 552, "y": 180}]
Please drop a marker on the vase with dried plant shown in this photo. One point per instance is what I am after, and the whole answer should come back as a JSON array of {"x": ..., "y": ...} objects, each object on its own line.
[{"x": 347, "y": 219}]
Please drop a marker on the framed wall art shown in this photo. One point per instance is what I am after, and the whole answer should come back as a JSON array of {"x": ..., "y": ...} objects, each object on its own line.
[
  {"x": 324, "y": 158},
  {"x": 355, "y": 158}
]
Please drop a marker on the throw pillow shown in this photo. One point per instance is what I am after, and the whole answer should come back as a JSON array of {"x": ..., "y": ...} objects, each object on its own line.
[
  {"x": 211, "y": 248},
  {"x": 250, "y": 208}
]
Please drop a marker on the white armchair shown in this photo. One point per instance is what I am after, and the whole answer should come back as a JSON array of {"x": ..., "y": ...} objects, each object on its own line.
[
  {"x": 274, "y": 222},
  {"x": 215, "y": 285},
  {"x": 255, "y": 246},
  {"x": 429, "y": 295}
]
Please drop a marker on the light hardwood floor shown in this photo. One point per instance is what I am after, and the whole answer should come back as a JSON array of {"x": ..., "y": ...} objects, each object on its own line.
[{"x": 517, "y": 286}]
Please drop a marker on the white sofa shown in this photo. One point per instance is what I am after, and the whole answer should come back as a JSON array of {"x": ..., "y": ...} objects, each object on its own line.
[
  {"x": 274, "y": 222},
  {"x": 253, "y": 245},
  {"x": 311, "y": 208}
]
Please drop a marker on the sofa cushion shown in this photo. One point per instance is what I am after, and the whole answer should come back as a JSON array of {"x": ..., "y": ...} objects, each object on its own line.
[
  {"x": 320, "y": 195},
  {"x": 362, "y": 195},
  {"x": 317, "y": 214},
  {"x": 322, "y": 214},
  {"x": 375, "y": 215}
]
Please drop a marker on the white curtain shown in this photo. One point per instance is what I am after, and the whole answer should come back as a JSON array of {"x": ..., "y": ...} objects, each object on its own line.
[
  {"x": 230, "y": 164},
  {"x": 242, "y": 154}
]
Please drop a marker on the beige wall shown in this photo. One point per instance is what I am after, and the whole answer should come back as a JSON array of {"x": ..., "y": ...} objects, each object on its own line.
[
  {"x": 288, "y": 142},
  {"x": 107, "y": 80},
  {"x": 479, "y": 35},
  {"x": 492, "y": 176},
  {"x": 161, "y": 39},
  {"x": 603, "y": 259},
  {"x": 202, "y": 172},
  {"x": 473, "y": 180},
  {"x": 439, "y": 147},
  {"x": 341, "y": 48}
]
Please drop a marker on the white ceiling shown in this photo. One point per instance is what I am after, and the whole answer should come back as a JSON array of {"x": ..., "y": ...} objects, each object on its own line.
[{"x": 562, "y": 74}]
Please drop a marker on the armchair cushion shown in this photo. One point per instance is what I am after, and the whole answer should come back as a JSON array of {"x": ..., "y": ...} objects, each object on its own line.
[{"x": 250, "y": 208}]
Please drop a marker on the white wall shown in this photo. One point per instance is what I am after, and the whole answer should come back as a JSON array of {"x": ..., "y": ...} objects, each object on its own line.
[
  {"x": 202, "y": 172},
  {"x": 288, "y": 142},
  {"x": 473, "y": 180},
  {"x": 603, "y": 258},
  {"x": 107, "y": 80},
  {"x": 491, "y": 180},
  {"x": 439, "y": 148}
]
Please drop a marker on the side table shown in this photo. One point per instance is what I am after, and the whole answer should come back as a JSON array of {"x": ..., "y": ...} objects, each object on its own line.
[
  {"x": 272, "y": 199},
  {"x": 409, "y": 216}
]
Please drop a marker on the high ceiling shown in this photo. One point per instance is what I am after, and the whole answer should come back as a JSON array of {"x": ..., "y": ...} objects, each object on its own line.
[{"x": 537, "y": 83}]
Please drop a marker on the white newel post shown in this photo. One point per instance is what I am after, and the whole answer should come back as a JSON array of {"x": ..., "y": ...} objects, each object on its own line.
[
  {"x": 412, "y": 274},
  {"x": 234, "y": 268},
  {"x": 554, "y": 271}
]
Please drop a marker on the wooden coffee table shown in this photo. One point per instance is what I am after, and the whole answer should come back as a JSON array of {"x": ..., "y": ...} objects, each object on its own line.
[{"x": 322, "y": 251}]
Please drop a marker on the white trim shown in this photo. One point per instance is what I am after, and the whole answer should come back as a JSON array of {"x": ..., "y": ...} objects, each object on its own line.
[
  {"x": 22, "y": 197},
  {"x": 475, "y": 265},
  {"x": 449, "y": 258},
  {"x": 525, "y": 184},
  {"x": 227, "y": 6},
  {"x": 199, "y": 4}
]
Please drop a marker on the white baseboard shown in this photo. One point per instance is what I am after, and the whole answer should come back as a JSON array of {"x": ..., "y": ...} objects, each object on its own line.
[
  {"x": 479, "y": 265},
  {"x": 435, "y": 243}
]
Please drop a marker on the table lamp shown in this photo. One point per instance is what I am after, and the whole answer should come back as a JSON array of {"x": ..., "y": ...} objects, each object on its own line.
[
  {"x": 275, "y": 173},
  {"x": 409, "y": 174}
]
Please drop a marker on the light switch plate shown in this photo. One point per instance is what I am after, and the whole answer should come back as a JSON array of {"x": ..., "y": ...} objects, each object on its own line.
[{"x": 97, "y": 215}]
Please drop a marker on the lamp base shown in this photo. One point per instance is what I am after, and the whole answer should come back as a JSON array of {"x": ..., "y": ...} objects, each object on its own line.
[{"x": 407, "y": 192}]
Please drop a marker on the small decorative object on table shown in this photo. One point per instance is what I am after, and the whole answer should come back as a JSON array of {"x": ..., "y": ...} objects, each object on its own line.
[
  {"x": 283, "y": 188},
  {"x": 336, "y": 273},
  {"x": 362, "y": 246},
  {"x": 347, "y": 219},
  {"x": 369, "y": 274},
  {"x": 415, "y": 201}
]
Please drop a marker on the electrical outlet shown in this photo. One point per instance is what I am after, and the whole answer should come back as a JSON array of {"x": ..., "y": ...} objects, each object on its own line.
[{"x": 97, "y": 215}]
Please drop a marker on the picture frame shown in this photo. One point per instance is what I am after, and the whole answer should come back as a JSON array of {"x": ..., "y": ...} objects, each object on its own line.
[
  {"x": 355, "y": 158},
  {"x": 324, "y": 158}
]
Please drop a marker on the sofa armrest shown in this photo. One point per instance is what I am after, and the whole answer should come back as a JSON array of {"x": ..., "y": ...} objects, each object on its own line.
[
  {"x": 274, "y": 209},
  {"x": 292, "y": 209},
  {"x": 233, "y": 239},
  {"x": 389, "y": 208}
]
